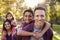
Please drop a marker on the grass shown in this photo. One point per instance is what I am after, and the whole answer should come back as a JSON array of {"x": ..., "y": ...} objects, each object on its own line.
[{"x": 56, "y": 31}]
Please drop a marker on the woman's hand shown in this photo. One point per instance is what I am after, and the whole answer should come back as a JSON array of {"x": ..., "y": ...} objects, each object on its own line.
[{"x": 37, "y": 35}]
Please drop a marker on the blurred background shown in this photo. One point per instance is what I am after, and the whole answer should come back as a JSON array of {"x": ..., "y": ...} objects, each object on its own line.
[{"x": 17, "y": 8}]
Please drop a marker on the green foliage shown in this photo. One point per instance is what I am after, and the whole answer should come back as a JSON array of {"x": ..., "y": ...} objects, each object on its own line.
[
  {"x": 1, "y": 22},
  {"x": 58, "y": 0},
  {"x": 57, "y": 32},
  {"x": 57, "y": 29}
]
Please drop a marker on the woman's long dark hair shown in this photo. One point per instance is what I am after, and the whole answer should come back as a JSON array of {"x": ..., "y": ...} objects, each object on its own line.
[
  {"x": 4, "y": 29},
  {"x": 10, "y": 14},
  {"x": 28, "y": 10}
]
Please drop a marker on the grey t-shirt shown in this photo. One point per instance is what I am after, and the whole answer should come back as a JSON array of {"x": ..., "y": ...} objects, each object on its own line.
[{"x": 36, "y": 31}]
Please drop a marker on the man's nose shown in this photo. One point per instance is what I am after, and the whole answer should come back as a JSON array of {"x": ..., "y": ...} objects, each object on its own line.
[{"x": 39, "y": 18}]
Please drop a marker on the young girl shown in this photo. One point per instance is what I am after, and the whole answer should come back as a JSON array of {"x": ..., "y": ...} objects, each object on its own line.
[
  {"x": 10, "y": 17},
  {"x": 8, "y": 30}
]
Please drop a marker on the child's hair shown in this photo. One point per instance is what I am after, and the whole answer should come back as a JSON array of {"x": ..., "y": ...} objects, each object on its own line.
[
  {"x": 4, "y": 29},
  {"x": 10, "y": 14},
  {"x": 29, "y": 10}
]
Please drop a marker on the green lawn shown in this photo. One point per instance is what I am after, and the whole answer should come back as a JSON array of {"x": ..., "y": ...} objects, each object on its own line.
[
  {"x": 56, "y": 32},
  {"x": 57, "y": 29}
]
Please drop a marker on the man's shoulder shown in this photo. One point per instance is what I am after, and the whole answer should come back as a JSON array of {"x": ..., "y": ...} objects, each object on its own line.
[{"x": 49, "y": 31}]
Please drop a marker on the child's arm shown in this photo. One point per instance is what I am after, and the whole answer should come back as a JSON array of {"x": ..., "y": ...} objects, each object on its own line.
[{"x": 14, "y": 23}]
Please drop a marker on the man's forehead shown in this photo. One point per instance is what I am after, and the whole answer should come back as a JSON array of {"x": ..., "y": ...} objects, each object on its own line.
[{"x": 39, "y": 12}]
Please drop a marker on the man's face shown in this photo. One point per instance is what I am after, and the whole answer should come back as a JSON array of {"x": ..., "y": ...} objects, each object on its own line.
[{"x": 39, "y": 17}]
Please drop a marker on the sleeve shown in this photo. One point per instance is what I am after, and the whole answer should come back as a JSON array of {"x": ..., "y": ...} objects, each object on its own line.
[
  {"x": 50, "y": 34},
  {"x": 14, "y": 30}
]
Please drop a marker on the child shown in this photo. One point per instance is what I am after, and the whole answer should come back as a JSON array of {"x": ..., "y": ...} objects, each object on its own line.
[{"x": 10, "y": 17}]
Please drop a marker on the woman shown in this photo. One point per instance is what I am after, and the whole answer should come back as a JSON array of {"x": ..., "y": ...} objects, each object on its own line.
[
  {"x": 27, "y": 19},
  {"x": 8, "y": 30}
]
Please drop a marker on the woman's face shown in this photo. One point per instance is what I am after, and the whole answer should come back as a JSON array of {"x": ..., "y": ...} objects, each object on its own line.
[
  {"x": 7, "y": 25},
  {"x": 27, "y": 17},
  {"x": 9, "y": 17}
]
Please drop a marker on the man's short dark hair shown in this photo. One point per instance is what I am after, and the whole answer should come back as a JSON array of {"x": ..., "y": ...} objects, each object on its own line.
[{"x": 40, "y": 8}]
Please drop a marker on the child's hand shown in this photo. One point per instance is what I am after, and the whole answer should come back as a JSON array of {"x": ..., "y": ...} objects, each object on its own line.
[{"x": 14, "y": 23}]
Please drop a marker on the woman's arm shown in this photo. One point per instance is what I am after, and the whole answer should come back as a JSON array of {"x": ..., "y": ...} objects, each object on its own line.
[
  {"x": 36, "y": 35},
  {"x": 4, "y": 35},
  {"x": 47, "y": 26},
  {"x": 39, "y": 35},
  {"x": 24, "y": 33}
]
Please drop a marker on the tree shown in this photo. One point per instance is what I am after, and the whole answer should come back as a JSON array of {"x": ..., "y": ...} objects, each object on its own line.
[
  {"x": 8, "y": 5},
  {"x": 58, "y": 0},
  {"x": 53, "y": 11}
]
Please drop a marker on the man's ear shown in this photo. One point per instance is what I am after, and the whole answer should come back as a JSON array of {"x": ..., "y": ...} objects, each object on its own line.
[{"x": 45, "y": 18}]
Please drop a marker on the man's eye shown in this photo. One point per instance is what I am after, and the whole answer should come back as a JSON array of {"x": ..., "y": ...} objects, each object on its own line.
[
  {"x": 42, "y": 15},
  {"x": 37, "y": 15}
]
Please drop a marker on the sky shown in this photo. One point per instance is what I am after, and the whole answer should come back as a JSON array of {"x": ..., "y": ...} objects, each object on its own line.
[{"x": 33, "y": 3}]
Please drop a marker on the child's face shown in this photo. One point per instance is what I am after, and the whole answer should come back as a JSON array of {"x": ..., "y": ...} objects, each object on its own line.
[
  {"x": 27, "y": 17},
  {"x": 7, "y": 25},
  {"x": 9, "y": 17},
  {"x": 39, "y": 17}
]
